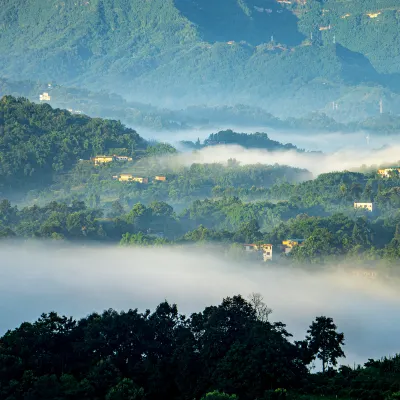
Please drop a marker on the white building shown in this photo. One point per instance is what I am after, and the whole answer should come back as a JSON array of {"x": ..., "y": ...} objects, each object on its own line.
[
  {"x": 364, "y": 206},
  {"x": 44, "y": 97}
]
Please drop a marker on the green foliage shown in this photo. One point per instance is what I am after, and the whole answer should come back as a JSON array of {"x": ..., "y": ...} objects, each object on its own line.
[
  {"x": 139, "y": 239},
  {"x": 250, "y": 141},
  {"x": 133, "y": 355},
  {"x": 37, "y": 141},
  {"x": 157, "y": 354},
  {"x": 180, "y": 51},
  {"x": 125, "y": 390},
  {"x": 216, "y": 395},
  {"x": 160, "y": 149}
]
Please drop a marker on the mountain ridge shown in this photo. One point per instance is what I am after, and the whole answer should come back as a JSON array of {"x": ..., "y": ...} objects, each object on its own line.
[{"x": 289, "y": 57}]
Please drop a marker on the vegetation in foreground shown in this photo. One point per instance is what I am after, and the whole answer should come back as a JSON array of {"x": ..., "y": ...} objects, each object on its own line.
[{"x": 229, "y": 351}]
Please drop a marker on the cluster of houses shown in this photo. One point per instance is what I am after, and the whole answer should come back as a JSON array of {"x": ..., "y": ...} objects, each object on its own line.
[
  {"x": 384, "y": 173},
  {"x": 125, "y": 177},
  {"x": 265, "y": 250},
  {"x": 139, "y": 179},
  {"x": 388, "y": 172},
  {"x": 100, "y": 160}
]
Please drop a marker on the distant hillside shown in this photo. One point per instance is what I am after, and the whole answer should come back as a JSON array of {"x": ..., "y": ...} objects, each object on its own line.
[
  {"x": 287, "y": 57},
  {"x": 37, "y": 142},
  {"x": 369, "y": 28},
  {"x": 94, "y": 103},
  {"x": 250, "y": 141}
]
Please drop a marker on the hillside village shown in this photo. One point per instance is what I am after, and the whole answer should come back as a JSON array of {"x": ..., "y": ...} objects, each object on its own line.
[
  {"x": 264, "y": 252},
  {"x": 124, "y": 177}
]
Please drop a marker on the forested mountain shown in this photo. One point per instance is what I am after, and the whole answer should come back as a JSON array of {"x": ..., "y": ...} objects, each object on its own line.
[
  {"x": 37, "y": 141},
  {"x": 289, "y": 57}
]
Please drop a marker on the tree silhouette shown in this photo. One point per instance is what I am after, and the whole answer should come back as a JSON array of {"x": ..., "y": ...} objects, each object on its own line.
[{"x": 324, "y": 342}]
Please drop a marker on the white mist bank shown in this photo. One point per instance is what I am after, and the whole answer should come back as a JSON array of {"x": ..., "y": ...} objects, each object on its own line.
[
  {"x": 311, "y": 141},
  {"x": 317, "y": 163},
  {"x": 78, "y": 281}
]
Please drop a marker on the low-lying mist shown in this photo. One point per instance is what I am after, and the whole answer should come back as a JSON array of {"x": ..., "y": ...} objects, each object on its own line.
[
  {"x": 308, "y": 140},
  {"x": 317, "y": 163},
  {"x": 36, "y": 278}
]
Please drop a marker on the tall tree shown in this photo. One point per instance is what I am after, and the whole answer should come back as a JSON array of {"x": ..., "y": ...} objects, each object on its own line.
[{"x": 325, "y": 342}]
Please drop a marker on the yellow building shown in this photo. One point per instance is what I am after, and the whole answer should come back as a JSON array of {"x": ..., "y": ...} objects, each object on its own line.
[
  {"x": 290, "y": 243},
  {"x": 160, "y": 178},
  {"x": 387, "y": 172},
  {"x": 364, "y": 206},
  {"x": 267, "y": 252},
  {"x": 131, "y": 178},
  {"x": 265, "y": 249},
  {"x": 374, "y": 14},
  {"x": 125, "y": 177},
  {"x": 102, "y": 159}
]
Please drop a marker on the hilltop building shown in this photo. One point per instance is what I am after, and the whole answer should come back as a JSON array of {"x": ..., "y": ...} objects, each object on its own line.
[
  {"x": 45, "y": 97},
  {"x": 160, "y": 178},
  {"x": 364, "y": 206}
]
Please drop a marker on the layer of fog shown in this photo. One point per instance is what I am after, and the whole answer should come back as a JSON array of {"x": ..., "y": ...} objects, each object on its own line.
[
  {"x": 311, "y": 141},
  {"x": 78, "y": 281},
  {"x": 317, "y": 163}
]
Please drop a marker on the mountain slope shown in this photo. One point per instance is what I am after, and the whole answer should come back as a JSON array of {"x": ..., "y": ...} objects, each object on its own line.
[
  {"x": 276, "y": 54},
  {"x": 37, "y": 141},
  {"x": 368, "y": 27}
]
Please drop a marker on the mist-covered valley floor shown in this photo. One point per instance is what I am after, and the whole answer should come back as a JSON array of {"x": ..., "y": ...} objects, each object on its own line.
[{"x": 76, "y": 281}]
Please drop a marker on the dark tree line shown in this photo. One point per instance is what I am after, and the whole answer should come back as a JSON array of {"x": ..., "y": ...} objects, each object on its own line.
[{"x": 230, "y": 348}]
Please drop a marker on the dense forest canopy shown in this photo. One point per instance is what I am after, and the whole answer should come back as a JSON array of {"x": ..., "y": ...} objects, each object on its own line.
[
  {"x": 228, "y": 351},
  {"x": 256, "y": 140},
  {"x": 37, "y": 141}
]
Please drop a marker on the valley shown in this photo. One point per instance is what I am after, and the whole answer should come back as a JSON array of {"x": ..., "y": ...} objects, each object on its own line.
[{"x": 199, "y": 199}]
